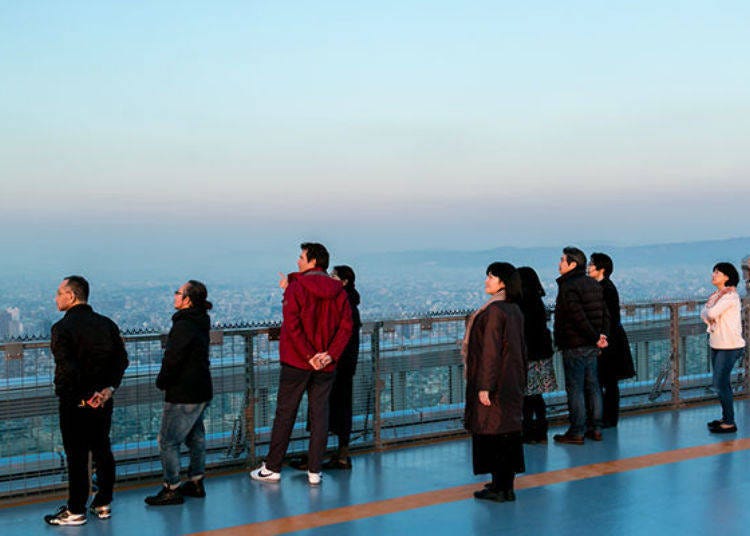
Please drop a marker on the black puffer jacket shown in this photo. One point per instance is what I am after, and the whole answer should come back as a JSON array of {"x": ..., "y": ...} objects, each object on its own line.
[
  {"x": 580, "y": 313},
  {"x": 185, "y": 376},
  {"x": 89, "y": 354}
]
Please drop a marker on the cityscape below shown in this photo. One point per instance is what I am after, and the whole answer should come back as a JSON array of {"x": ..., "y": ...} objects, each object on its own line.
[{"x": 397, "y": 285}]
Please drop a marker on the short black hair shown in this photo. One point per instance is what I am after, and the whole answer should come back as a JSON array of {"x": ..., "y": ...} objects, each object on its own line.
[
  {"x": 317, "y": 252},
  {"x": 508, "y": 274},
  {"x": 573, "y": 254},
  {"x": 79, "y": 287},
  {"x": 197, "y": 293},
  {"x": 602, "y": 261},
  {"x": 728, "y": 269}
]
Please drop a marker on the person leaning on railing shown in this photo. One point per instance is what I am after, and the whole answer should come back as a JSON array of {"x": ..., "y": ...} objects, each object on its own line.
[{"x": 723, "y": 316}]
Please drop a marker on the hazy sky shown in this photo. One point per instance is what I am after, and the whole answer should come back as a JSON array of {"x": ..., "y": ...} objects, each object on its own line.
[{"x": 387, "y": 125}]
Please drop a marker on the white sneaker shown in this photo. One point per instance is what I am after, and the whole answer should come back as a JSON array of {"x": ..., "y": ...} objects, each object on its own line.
[
  {"x": 265, "y": 475},
  {"x": 314, "y": 478}
]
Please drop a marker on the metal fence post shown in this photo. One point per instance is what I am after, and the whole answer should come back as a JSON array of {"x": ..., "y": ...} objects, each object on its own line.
[
  {"x": 250, "y": 398},
  {"x": 377, "y": 383},
  {"x": 674, "y": 335}
]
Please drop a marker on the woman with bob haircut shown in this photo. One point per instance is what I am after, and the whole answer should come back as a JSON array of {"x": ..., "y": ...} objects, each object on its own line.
[
  {"x": 495, "y": 359},
  {"x": 722, "y": 315}
]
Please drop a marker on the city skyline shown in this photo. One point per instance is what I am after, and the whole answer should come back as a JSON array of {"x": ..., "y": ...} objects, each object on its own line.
[{"x": 169, "y": 127}]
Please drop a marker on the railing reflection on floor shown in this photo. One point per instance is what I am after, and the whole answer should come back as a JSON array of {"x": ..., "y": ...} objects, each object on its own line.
[{"x": 409, "y": 386}]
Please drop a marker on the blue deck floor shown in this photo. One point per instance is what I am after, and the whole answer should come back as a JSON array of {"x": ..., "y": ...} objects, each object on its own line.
[{"x": 705, "y": 495}]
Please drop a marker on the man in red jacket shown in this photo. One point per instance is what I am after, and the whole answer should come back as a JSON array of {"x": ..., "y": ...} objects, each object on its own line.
[{"x": 316, "y": 327}]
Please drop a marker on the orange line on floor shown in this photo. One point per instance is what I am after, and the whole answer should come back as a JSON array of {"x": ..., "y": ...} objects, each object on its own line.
[{"x": 460, "y": 493}]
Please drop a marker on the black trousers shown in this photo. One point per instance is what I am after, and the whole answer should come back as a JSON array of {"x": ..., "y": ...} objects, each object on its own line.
[
  {"x": 293, "y": 383},
  {"x": 610, "y": 392},
  {"x": 340, "y": 414},
  {"x": 86, "y": 430}
]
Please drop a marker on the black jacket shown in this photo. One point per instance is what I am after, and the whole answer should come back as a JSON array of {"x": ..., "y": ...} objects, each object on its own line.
[
  {"x": 185, "y": 376},
  {"x": 580, "y": 313},
  {"x": 347, "y": 363},
  {"x": 89, "y": 354},
  {"x": 496, "y": 362},
  {"x": 616, "y": 360}
]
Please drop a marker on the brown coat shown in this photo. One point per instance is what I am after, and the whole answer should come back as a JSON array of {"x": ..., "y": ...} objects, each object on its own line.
[{"x": 496, "y": 362}]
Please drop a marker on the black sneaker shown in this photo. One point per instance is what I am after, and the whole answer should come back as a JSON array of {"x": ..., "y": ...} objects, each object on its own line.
[
  {"x": 165, "y": 497},
  {"x": 299, "y": 463},
  {"x": 192, "y": 488},
  {"x": 64, "y": 517},
  {"x": 338, "y": 463}
]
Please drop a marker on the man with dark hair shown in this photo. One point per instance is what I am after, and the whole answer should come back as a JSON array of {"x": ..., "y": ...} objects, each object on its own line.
[
  {"x": 90, "y": 360},
  {"x": 580, "y": 328},
  {"x": 316, "y": 252},
  {"x": 316, "y": 327}
]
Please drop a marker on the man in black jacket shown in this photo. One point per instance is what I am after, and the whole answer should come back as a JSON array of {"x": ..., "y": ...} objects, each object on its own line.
[
  {"x": 185, "y": 378},
  {"x": 90, "y": 360},
  {"x": 581, "y": 325}
]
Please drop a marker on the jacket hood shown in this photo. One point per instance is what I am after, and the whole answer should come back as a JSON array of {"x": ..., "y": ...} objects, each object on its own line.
[
  {"x": 318, "y": 283},
  {"x": 193, "y": 314}
]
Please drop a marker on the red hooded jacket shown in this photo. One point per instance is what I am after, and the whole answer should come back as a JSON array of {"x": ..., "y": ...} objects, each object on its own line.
[{"x": 316, "y": 318}]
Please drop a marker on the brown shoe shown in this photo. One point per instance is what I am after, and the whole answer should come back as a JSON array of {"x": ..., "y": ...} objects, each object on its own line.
[
  {"x": 568, "y": 439},
  {"x": 593, "y": 434}
]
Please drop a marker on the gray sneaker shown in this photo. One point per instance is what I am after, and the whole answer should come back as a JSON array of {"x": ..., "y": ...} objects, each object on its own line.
[
  {"x": 64, "y": 517},
  {"x": 102, "y": 512}
]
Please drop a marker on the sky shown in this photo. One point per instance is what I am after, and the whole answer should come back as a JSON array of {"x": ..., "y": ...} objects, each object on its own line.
[{"x": 162, "y": 128}]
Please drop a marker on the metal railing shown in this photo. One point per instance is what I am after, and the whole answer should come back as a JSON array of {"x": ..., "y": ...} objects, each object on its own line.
[{"x": 409, "y": 386}]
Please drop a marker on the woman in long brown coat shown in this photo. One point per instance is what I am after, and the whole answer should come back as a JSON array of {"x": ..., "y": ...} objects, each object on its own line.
[{"x": 495, "y": 356}]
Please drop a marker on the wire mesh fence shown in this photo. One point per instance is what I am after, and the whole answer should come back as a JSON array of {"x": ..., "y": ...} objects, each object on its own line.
[{"x": 409, "y": 386}]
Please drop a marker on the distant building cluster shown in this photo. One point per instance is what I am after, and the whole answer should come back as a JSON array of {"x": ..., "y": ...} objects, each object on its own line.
[{"x": 10, "y": 323}]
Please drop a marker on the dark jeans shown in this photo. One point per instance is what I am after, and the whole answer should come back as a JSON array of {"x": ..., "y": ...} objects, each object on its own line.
[
  {"x": 86, "y": 430},
  {"x": 182, "y": 423},
  {"x": 722, "y": 363},
  {"x": 582, "y": 388},
  {"x": 293, "y": 383}
]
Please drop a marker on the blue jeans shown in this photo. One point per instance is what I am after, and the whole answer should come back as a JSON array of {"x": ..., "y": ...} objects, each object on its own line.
[
  {"x": 582, "y": 387},
  {"x": 722, "y": 363},
  {"x": 182, "y": 423}
]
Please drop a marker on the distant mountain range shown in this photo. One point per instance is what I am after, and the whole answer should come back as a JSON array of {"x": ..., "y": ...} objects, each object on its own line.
[{"x": 703, "y": 254}]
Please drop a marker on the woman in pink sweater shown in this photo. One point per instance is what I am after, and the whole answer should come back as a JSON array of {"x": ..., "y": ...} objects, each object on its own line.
[{"x": 722, "y": 315}]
